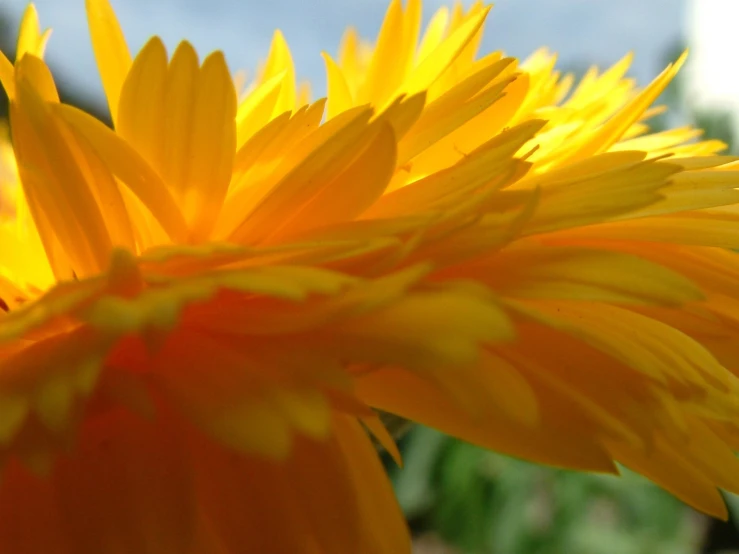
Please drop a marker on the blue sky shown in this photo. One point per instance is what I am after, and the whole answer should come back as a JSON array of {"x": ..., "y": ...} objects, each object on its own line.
[{"x": 580, "y": 30}]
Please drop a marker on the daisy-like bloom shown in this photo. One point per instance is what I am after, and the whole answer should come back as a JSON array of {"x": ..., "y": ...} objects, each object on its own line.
[
  {"x": 603, "y": 243},
  {"x": 203, "y": 305}
]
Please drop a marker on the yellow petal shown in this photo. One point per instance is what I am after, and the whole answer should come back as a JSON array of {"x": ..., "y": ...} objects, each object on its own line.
[
  {"x": 34, "y": 71},
  {"x": 717, "y": 227},
  {"x": 339, "y": 96},
  {"x": 213, "y": 139},
  {"x": 126, "y": 164},
  {"x": 645, "y": 344},
  {"x": 7, "y": 76},
  {"x": 111, "y": 52},
  {"x": 448, "y": 187},
  {"x": 610, "y": 132},
  {"x": 104, "y": 188},
  {"x": 441, "y": 118},
  {"x": 434, "y": 33},
  {"x": 384, "y": 73},
  {"x": 606, "y": 192},
  {"x": 286, "y": 198},
  {"x": 586, "y": 274},
  {"x": 257, "y": 109},
  {"x": 375, "y": 426},
  {"x": 693, "y": 190},
  {"x": 308, "y": 410},
  {"x": 377, "y": 502},
  {"x": 181, "y": 119},
  {"x": 360, "y": 183},
  {"x": 141, "y": 103},
  {"x": 29, "y": 36},
  {"x": 420, "y": 400},
  {"x": 430, "y": 68},
  {"x": 280, "y": 61},
  {"x": 670, "y": 470},
  {"x": 449, "y": 328},
  {"x": 55, "y": 187}
]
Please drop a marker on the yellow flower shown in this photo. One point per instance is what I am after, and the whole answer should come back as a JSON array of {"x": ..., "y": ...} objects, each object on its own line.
[
  {"x": 203, "y": 305},
  {"x": 596, "y": 244}
]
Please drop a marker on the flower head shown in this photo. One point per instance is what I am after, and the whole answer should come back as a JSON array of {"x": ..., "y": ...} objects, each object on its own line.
[{"x": 204, "y": 304}]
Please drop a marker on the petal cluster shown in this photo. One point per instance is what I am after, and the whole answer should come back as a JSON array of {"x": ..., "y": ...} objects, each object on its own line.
[{"x": 204, "y": 305}]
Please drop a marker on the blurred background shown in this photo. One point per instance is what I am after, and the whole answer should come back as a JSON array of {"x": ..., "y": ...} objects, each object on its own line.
[
  {"x": 583, "y": 31},
  {"x": 460, "y": 499}
]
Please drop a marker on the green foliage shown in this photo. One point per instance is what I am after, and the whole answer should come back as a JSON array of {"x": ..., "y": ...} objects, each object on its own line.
[
  {"x": 716, "y": 125},
  {"x": 486, "y": 503}
]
